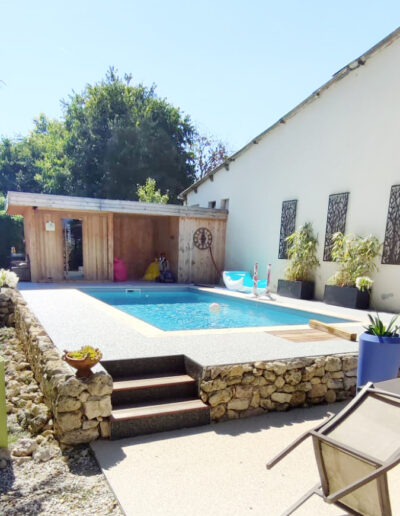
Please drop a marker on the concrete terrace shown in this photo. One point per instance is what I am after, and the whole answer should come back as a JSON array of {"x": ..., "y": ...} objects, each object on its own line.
[
  {"x": 220, "y": 469},
  {"x": 73, "y": 319}
]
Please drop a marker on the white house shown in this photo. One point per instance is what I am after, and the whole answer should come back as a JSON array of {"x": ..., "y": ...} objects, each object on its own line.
[{"x": 343, "y": 139}]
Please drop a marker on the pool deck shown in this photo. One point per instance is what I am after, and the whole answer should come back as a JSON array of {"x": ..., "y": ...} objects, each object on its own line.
[{"x": 72, "y": 319}]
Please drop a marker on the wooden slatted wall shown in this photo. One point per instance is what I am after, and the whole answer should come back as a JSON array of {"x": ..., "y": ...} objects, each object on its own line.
[{"x": 195, "y": 265}]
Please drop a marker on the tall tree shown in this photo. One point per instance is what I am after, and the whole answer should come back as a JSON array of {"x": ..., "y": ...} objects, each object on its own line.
[{"x": 118, "y": 135}]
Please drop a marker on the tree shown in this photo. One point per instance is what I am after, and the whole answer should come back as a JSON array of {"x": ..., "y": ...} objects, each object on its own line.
[
  {"x": 113, "y": 136},
  {"x": 148, "y": 192},
  {"x": 208, "y": 153},
  {"x": 36, "y": 163},
  {"x": 119, "y": 135},
  {"x": 52, "y": 165}
]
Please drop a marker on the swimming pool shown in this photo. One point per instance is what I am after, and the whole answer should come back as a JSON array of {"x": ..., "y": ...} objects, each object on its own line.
[{"x": 189, "y": 309}]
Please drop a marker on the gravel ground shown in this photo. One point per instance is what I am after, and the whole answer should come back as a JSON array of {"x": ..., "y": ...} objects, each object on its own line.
[{"x": 55, "y": 481}]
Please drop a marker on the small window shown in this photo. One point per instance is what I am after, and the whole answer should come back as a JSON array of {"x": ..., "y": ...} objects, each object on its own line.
[
  {"x": 212, "y": 204},
  {"x": 224, "y": 204}
]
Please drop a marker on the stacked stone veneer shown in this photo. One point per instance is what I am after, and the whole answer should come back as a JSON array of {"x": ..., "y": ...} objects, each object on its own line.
[
  {"x": 243, "y": 390},
  {"x": 6, "y": 310},
  {"x": 81, "y": 407}
]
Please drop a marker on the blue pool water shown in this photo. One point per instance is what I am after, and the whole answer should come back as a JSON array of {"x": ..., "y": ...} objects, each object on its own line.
[{"x": 189, "y": 309}]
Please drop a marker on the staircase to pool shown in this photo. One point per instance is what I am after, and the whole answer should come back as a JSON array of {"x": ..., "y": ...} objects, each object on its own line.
[{"x": 154, "y": 394}]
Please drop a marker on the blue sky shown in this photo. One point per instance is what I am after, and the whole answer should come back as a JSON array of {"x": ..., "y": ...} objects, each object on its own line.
[{"x": 235, "y": 67}]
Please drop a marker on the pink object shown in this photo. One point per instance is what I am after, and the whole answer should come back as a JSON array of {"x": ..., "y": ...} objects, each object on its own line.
[
  {"x": 255, "y": 279},
  {"x": 120, "y": 273}
]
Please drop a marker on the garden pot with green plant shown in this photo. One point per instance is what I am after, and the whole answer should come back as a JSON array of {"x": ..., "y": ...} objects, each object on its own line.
[
  {"x": 379, "y": 351},
  {"x": 351, "y": 286},
  {"x": 301, "y": 252},
  {"x": 83, "y": 360}
]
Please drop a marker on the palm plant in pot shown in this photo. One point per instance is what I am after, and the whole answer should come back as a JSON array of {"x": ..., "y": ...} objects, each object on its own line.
[
  {"x": 379, "y": 351},
  {"x": 351, "y": 286},
  {"x": 301, "y": 251}
]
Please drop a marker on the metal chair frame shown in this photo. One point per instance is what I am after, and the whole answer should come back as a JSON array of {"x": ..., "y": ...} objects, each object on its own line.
[{"x": 318, "y": 436}]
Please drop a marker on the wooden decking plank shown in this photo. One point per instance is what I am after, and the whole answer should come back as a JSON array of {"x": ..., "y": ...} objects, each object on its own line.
[{"x": 306, "y": 335}]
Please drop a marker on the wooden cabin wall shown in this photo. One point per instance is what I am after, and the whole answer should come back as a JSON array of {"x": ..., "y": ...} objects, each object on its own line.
[
  {"x": 195, "y": 265},
  {"x": 134, "y": 238},
  {"x": 134, "y": 243},
  {"x": 166, "y": 239},
  {"x": 45, "y": 248},
  {"x": 95, "y": 246}
]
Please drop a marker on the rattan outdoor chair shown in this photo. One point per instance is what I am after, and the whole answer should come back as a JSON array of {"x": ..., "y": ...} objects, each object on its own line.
[{"x": 354, "y": 450}]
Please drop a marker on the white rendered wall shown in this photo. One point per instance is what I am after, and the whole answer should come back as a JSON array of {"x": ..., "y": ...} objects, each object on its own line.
[{"x": 347, "y": 140}]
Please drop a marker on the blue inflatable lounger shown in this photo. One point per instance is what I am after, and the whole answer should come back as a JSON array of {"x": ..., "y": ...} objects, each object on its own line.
[{"x": 241, "y": 281}]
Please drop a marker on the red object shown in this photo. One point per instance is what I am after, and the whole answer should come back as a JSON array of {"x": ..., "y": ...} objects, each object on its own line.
[{"x": 120, "y": 273}]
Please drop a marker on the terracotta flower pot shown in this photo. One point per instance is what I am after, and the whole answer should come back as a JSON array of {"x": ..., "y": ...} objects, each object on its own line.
[{"x": 83, "y": 365}]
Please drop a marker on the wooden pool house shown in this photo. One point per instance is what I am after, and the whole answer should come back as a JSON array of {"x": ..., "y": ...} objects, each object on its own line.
[{"x": 74, "y": 238}]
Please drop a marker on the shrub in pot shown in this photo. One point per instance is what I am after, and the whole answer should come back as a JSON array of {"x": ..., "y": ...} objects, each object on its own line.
[
  {"x": 379, "y": 352},
  {"x": 350, "y": 286},
  {"x": 301, "y": 252}
]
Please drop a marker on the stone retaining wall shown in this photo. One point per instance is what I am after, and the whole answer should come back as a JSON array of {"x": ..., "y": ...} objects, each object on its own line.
[
  {"x": 81, "y": 407},
  {"x": 6, "y": 310},
  {"x": 244, "y": 390}
]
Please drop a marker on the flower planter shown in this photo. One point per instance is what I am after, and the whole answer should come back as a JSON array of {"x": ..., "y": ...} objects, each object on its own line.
[
  {"x": 83, "y": 365},
  {"x": 349, "y": 297},
  {"x": 296, "y": 289},
  {"x": 378, "y": 359}
]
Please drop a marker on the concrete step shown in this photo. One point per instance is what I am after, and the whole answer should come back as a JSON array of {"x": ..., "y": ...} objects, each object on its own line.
[
  {"x": 140, "y": 419},
  {"x": 135, "y": 367},
  {"x": 152, "y": 388}
]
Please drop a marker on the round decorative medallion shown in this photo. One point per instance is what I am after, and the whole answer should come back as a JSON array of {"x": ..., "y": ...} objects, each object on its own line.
[{"x": 202, "y": 238}]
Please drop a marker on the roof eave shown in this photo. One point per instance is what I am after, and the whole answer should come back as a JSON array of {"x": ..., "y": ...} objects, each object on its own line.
[{"x": 353, "y": 65}]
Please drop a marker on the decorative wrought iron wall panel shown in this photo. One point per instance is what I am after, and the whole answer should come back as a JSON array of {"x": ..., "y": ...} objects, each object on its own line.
[
  {"x": 288, "y": 225},
  {"x": 336, "y": 220},
  {"x": 391, "y": 244}
]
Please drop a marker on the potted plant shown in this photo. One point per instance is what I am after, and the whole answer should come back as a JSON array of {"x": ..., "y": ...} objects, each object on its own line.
[
  {"x": 350, "y": 286},
  {"x": 379, "y": 351},
  {"x": 301, "y": 251},
  {"x": 83, "y": 360}
]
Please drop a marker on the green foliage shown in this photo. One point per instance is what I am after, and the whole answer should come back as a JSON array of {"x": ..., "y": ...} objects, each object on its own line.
[
  {"x": 85, "y": 352},
  {"x": 355, "y": 256},
  {"x": 114, "y": 135},
  {"x": 49, "y": 139},
  {"x": 148, "y": 192},
  {"x": 36, "y": 163},
  {"x": 119, "y": 135},
  {"x": 301, "y": 251},
  {"x": 378, "y": 328},
  {"x": 12, "y": 234}
]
